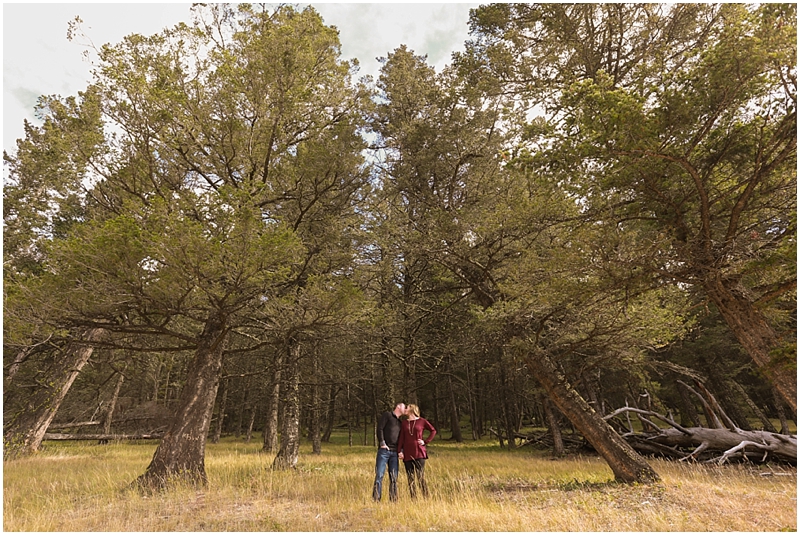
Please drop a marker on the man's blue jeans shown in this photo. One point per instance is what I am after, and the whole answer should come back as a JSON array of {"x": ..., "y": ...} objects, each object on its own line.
[{"x": 385, "y": 457}]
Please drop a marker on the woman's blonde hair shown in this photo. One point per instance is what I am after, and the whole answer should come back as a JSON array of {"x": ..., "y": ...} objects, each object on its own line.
[{"x": 413, "y": 408}]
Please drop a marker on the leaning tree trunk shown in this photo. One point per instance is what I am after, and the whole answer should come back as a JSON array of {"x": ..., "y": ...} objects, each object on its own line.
[
  {"x": 757, "y": 337},
  {"x": 627, "y": 465},
  {"x": 290, "y": 425},
  {"x": 112, "y": 405},
  {"x": 181, "y": 453},
  {"x": 25, "y": 431}
]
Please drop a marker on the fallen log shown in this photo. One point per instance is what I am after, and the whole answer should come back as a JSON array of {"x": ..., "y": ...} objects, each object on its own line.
[
  {"x": 723, "y": 443},
  {"x": 729, "y": 442},
  {"x": 101, "y": 436}
]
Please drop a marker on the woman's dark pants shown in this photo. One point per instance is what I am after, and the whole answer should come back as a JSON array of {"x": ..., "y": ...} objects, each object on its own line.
[{"x": 415, "y": 470}]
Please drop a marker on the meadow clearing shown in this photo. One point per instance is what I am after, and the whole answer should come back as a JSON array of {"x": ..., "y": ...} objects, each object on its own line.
[{"x": 475, "y": 486}]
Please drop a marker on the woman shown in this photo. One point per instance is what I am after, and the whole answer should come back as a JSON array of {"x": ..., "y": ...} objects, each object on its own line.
[{"x": 411, "y": 448}]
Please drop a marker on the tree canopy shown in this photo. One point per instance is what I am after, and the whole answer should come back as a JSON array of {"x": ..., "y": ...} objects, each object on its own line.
[{"x": 225, "y": 213}]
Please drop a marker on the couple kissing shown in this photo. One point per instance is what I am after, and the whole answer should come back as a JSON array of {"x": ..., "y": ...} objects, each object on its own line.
[{"x": 402, "y": 440}]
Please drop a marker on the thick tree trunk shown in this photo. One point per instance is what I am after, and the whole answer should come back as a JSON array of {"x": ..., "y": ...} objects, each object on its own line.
[
  {"x": 181, "y": 453},
  {"x": 627, "y": 465},
  {"x": 221, "y": 412},
  {"x": 290, "y": 426},
  {"x": 25, "y": 431},
  {"x": 757, "y": 337},
  {"x": 273, "y": 405}
]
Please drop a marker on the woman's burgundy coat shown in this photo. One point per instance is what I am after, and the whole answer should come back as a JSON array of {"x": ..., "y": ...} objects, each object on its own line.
[{"x": 410, "y": 432}]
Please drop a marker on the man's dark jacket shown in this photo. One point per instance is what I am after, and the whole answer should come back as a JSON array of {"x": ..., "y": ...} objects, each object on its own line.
[{"x": 388, "y": 430}]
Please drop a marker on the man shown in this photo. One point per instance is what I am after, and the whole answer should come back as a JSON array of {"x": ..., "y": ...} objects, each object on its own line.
[{"x": 388, "y": 433}]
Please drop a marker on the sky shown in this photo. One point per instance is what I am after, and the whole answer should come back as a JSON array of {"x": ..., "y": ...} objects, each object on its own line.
[{"x": 39, "y": 60}]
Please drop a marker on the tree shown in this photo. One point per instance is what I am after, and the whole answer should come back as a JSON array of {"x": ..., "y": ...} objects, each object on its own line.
[
  {"x": 43, "y": 198},
  {"x": 681, "y": 122},
  {"x": 231, "y": 136},
  {"x": 492, "y": 229}
]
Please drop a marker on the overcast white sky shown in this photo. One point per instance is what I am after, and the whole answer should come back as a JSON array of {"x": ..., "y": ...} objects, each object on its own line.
[{"x": 38, "y": 59}]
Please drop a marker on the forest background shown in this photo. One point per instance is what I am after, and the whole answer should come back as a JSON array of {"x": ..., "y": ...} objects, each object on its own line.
[{"x": 229, "y": 233}]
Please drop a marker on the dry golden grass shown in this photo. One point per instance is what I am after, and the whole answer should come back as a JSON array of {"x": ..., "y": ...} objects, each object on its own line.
[{"x": 475, "y": 487}]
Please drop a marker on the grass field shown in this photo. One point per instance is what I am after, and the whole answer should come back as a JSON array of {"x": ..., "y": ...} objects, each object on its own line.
[{"x": 474, "y": 486}]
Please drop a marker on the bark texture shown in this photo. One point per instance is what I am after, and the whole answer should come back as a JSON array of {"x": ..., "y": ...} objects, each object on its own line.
[
  {"x": 25, "y": 431},
  {"x": 181, "y": 453},
  {"x": 288, "y": 453},
  {"x": 273, "y": 405},
  {"x": 626, "y": 464}
]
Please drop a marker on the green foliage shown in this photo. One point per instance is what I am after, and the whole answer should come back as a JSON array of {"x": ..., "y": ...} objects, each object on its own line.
[{"x": 570, "y": 185}]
